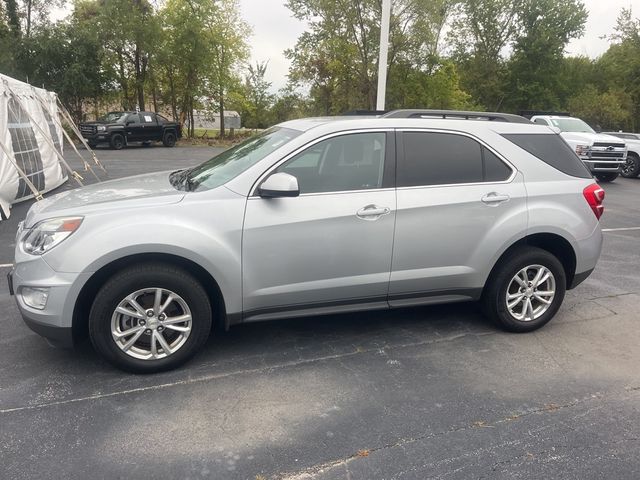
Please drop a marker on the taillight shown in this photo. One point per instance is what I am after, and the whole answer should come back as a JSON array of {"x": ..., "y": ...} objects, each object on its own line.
[{"x": 594, "y": 195}]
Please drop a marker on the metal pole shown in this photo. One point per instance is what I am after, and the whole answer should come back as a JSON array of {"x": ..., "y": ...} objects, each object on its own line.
[{"x": 382, "y": 58}]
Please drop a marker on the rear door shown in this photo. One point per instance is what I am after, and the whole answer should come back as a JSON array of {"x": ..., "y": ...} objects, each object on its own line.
[
  {"x": 330, "y": 247},
  {"x": 459, "y": 203},
  {"x": 151, "y": 128}
]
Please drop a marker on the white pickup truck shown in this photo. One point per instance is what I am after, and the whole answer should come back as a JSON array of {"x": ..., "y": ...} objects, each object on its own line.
[
  {"x": 604, "y": 155},
  {"x": 630, "y": 169}
]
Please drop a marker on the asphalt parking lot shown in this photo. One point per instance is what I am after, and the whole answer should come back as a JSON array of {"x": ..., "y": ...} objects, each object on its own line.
[{"x": 432, "y": 392}]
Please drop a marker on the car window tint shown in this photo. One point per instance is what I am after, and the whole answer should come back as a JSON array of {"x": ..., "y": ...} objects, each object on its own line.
[
  {"x": 541, "y": 121},
  {"x": 552, "y": 150},
  {"x": 347, "y": 162},
  {"x": 439, "y": 159},
  {"x": 146, "y": 117},
  {"x": 133, "y": 118},
  {"x": 495, "y": 170}
]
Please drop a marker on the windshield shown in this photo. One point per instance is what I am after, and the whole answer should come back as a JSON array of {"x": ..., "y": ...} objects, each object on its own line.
[
  {"x": 571, "y": 125},
  {"x": 113, "y": 117},
  {"x": 232, "y": 162}
]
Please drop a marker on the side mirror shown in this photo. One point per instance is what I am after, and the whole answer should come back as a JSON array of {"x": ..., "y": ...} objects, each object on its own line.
[
  {"x": 279, "y": 185},
  {"x": 129, "y": 122}
]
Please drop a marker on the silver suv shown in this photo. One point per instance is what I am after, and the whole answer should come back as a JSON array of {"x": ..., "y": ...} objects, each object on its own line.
[{"x": 310, "y": 217}]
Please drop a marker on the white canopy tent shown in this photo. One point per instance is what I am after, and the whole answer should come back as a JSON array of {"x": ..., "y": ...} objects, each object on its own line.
[{"x": 31, "y": 135}]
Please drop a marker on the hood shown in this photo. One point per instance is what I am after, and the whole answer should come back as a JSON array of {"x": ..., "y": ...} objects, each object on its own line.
[
  {"x": 583, "y": 138},
  {"x": 131, "y": 192}
]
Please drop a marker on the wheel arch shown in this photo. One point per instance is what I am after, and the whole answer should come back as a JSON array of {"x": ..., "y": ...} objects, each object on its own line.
[
  {"x": 92, "y": 285},
  {"x": 553, "y": 243}
]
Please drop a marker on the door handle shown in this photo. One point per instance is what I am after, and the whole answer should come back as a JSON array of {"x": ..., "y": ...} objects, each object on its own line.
[
  {"x": 494, "y": 198},
  {"x": 372, "y": 212}
]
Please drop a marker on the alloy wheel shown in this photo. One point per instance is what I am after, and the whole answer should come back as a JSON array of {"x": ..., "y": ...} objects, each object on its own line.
[
  {"x": 151, "y": 323},
  {"x": 530, "y": 293}
]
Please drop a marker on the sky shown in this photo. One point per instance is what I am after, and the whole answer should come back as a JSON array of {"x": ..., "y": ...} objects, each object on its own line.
[{"x": 275, "y": 30}]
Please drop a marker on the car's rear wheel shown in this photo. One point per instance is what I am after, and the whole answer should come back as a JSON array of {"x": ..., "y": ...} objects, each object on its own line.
[
  {"x": 169, "y": 139},
  {"x": 117, "y": 141},
  {"x": 525, "y": 290},
  {"x": 149, "y": 318},
  {"x": 631, "y": 169},
  {"x": 606, "y": 177}
]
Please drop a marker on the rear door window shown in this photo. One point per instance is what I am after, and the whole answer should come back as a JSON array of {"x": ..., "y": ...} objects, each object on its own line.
[{"x": 432, "y": 158}]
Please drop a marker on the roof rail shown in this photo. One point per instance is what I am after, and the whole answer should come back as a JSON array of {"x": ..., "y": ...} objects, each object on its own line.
[
  {"x": 456, "y": 114},
  {"x": 531, "y": 113},
  {"x": 353, "y": 113}
]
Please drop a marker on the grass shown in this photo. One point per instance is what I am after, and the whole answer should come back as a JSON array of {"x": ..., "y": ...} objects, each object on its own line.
[{"x": 210, "y": 137}]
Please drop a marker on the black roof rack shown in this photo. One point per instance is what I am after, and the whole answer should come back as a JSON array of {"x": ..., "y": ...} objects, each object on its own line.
[{"x": 456, "y": 114}]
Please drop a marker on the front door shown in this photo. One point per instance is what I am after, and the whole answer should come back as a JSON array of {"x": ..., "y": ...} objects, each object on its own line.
[{"x": 329, "y": 248}]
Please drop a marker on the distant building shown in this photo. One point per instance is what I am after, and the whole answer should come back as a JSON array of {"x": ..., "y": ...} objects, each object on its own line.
[{"x": 207, "y": 119}]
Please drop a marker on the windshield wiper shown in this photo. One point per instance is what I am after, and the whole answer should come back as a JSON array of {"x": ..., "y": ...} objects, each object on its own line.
[{"x": 180, "y": 179}]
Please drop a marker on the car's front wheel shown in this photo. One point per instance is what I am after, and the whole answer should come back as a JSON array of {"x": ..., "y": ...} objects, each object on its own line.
[
  {"x": 150, "y": 317},
  {"x": 525, "y": 290},
  {"x": 117, "y": 141},
  {"x": 631, "y": 169},
  {"x": 606, "y": 177}
]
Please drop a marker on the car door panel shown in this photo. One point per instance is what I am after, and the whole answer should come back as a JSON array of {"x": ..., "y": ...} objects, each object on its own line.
[
  {"x": 447, "y": 236},
  {"x": 320, "y": 248}
]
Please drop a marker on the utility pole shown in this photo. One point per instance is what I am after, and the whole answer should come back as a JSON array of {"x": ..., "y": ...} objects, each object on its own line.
[{"x": 382, "y": 57}]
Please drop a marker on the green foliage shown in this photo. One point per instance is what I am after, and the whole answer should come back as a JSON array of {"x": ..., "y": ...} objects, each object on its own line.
[{"x": 177, "y": 56}]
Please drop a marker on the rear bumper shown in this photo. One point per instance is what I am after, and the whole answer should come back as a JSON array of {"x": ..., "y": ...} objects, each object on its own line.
[{"x": 578, "y": 278}]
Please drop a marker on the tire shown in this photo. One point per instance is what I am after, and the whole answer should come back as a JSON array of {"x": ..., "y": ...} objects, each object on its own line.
[
  {"x": 117, "y": 141},
  {"x": 92, "y": 145},
  {"x": 185, "y": 327},
  {"x": 631, "y": 169},
  {"x": 606, "y": 177},
  {"x": 502, "y": 281},
  {"x": 169, "y": 139}
]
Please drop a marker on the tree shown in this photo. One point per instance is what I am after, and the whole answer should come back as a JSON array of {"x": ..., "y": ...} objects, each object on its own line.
[
  {"x": 621, "y": 62},
  {"x": 258, "y": 98},
  {"x": 337, "y": 57},
  {"x": 480, "y": 32},
  {"x": 544, "y": 28},
  {"x": 228, "y": 36}
]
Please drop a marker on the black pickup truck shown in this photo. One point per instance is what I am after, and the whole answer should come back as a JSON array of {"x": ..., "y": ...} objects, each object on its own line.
[{"x": 119, "y": 129}]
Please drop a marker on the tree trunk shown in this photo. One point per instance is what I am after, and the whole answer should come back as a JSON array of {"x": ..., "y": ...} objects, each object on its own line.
[
  {"x": 139, "y": 78},
  {"x": 28, "y": 17},
  {"x": 123, "y": 80},
  {"x": 221, "y": 112},
  {"x": 172, "y": 91}
]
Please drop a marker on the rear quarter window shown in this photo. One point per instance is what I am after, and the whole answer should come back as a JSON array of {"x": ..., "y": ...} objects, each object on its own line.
[{"x": 552, "y": 150}]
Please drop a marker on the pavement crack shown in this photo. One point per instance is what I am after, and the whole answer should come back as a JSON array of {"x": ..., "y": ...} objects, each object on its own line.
[
  {"x": 249, "y": 371},
  {"x": 548, "y": 408}
]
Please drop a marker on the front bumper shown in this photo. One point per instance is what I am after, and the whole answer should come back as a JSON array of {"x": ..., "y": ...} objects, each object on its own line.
[
  {"x": 55, "y": 320},
  {"x": 603, "y": 165},
  {"x": 96, "y": 137}
]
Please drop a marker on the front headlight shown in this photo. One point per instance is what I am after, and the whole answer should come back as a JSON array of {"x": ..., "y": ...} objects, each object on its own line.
[
  {"x": 101, "y": 128},
  {"x": 583, "y": 149},
  {"x": 48, "y": 233}
]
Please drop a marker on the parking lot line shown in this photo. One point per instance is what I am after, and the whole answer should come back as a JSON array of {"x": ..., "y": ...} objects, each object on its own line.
[{"x": 623, "y": 229}]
